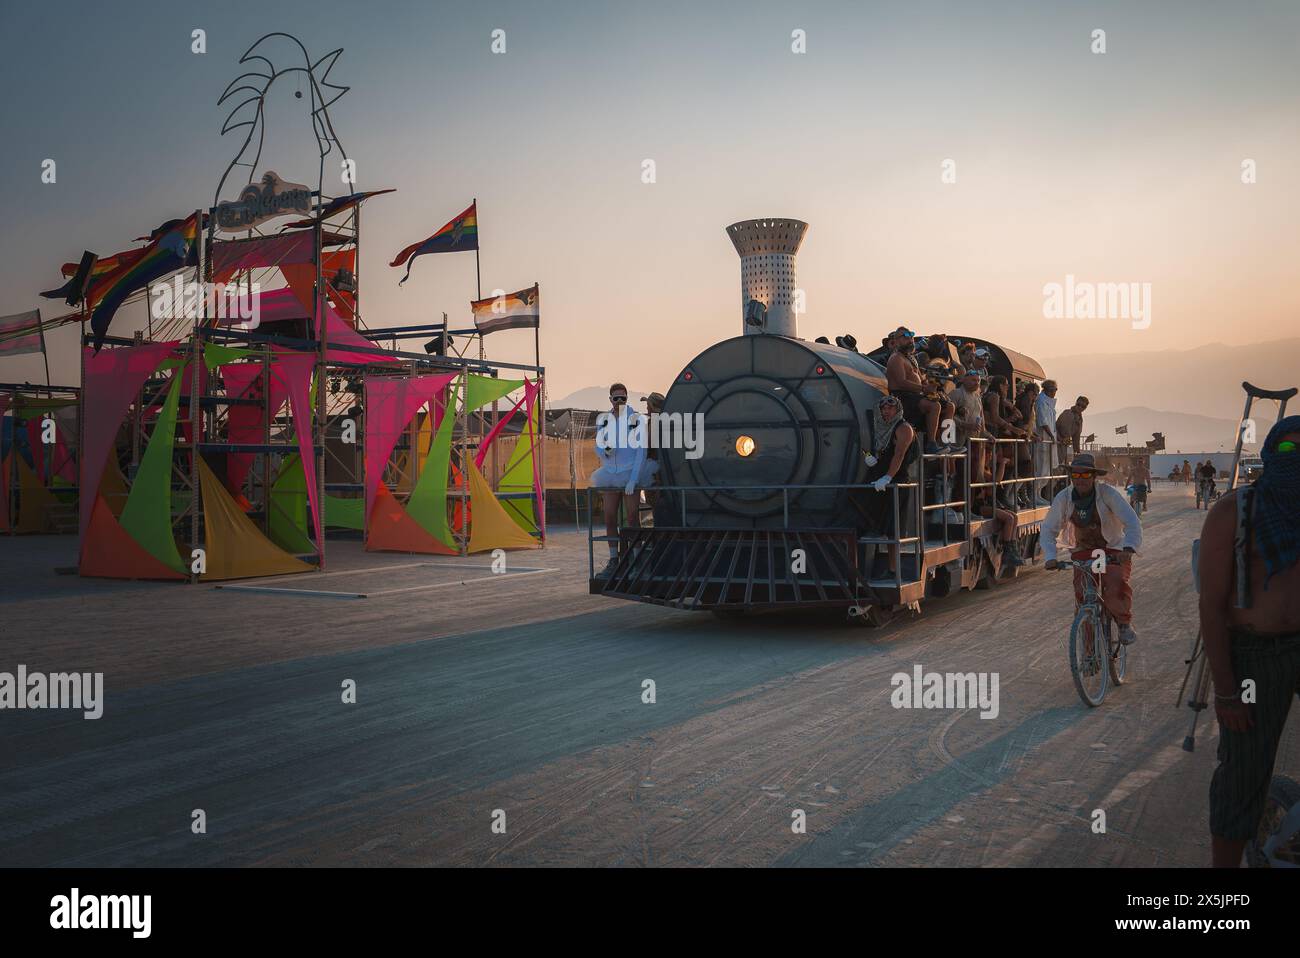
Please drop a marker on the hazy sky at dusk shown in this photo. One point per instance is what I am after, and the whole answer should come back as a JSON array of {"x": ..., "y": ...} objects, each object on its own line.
[{"x": 1114, "y": 168}]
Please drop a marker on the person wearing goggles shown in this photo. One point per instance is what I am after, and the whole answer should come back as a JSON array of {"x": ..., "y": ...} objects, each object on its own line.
[
  {"x": 1249, "y": 579},
  {"x": 922, "y": 407},
  {"x": 621, "y": 445},
  {"x": 1088, "y": 515}
]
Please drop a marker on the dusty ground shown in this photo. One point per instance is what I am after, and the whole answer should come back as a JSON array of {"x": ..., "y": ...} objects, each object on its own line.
[{"x": 523, "y": 694}]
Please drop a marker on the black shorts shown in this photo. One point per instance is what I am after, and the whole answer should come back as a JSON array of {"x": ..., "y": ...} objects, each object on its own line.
[{"x": 912, "y": 408}]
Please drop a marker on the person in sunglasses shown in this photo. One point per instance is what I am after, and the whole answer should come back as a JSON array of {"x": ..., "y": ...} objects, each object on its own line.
[
  {"x": 1249, "y": 572},
  {"x": 1088, "y": 515},
  {"x": 621, "y": 443}
]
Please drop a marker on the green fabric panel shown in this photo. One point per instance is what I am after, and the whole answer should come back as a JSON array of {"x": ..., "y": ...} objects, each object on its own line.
[
  {"x": 288, "y": 524},
  {"x": 427, "y": 504},
  {"x": 214, "y": 355},
  {"x": 484, "y": 389},
  {"x": 148, "y": 512},
  {"x": 345, "y": 513},
  {"x": 518, "y": 477}
]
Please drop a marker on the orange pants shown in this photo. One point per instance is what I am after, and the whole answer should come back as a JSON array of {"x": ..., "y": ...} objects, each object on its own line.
[{"x": 1116, "y": 593}]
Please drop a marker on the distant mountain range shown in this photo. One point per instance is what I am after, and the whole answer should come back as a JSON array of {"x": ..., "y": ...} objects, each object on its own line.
[
  {"x": 1205, "y": 381},
  {"x": 1184, "y": 432},
  {"x": 597, "y": 398}
]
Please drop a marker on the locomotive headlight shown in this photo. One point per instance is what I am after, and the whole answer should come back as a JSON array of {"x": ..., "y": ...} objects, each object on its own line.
[{"x": 744, "y": 446}]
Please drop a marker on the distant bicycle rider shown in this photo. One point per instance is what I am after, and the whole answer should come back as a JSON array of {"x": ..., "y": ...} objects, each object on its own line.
[
  {"x": 1205, "y": 476},
  {"x": 1089, "y": 515}
]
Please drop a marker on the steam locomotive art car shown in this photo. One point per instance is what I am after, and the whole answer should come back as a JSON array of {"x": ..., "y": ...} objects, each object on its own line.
[{"x": 773, "y": 511}]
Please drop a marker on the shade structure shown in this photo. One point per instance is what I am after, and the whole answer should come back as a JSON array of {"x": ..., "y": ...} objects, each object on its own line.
[
  {"x": 147, "y": 517},
  {"x": 234, "y": 547},
  {"x": 108, "y": 551},
  {"x": 491, "y": 527},
  {"x": 111, "y": 380}
]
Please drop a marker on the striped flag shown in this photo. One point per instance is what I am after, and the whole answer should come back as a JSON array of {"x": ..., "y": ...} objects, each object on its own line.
[
  {"x": 1121, "y": 430},
  {"x": 21, "y": 333},
  {"x": 458, "y": 235},
  {"x": 521, "y": 310}
]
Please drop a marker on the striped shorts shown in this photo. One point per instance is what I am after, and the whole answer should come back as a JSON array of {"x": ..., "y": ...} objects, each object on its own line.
[{"x": 1240, "y": 784}]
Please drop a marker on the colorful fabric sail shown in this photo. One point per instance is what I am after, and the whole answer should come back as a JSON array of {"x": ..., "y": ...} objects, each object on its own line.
[
  {"x": 491, "y": 527},
  {"x": 428, "y": 501},
  {"x": 110, "y": 383},
  {"x": 234, "y": 548},
  {"x": 341, "y": 513},
  {"x": 232, "y": 256},
  {"x": 108, "y": 551},
  {"x": 288, "y": 517},
  {"x": 21, "y": 333},
  {"x": 520, "y": 310},
  {"x": 147, "y": 517},
  {"x": 170, "y": 250},
  {"x": 458, "y": 235},
  {"x": 301, "y": 278},
  {"x": 485, "y": 389},
  {"x": 34, "y": 501},
  {"x": 295, "y": 371},
  {"x": 391, "y": 402},
  {"x": 521, "y": 474}
]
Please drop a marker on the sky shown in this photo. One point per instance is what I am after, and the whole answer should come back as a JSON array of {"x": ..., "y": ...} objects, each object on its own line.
[{"x": 1115, "y": 167}]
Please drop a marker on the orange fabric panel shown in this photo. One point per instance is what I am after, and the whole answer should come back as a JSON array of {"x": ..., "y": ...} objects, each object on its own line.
[
  {"x": 236, "y": 549},
  {"x": 109, "y": 551},
  {"x": 492, "y": 527},
  {"x": 391, "y": 529},
  {"x": 113, "y": 486},
  {"x": 301, "y": 278}
]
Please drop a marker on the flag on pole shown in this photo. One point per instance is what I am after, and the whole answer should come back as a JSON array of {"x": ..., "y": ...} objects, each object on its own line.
[
  {"x": 520, "y": 310},
  {"x": 21, "y": 333},
  {"x": 457, "y": 236},
  {"x": 1121, "y": 430}
]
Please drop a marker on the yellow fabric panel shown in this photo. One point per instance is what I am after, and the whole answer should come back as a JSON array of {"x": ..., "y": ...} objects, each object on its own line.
[
  {"x": 35, "y": 500},
  {"x": 491, "y": 526},
  {"x": 236, "y": 549}
]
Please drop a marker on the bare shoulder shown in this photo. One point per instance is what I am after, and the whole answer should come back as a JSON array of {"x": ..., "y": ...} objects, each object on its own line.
[{"x": 1221, "y": 520}]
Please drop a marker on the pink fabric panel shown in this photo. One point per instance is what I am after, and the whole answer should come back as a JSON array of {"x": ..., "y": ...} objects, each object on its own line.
[
  {"x": 277, "y": 305},
  {"x": 232, "y": 256},
  {"x": 111, "y": 381},
  {"x": 244, "y": 423},
  {"x": 391, "y": 401},
  {"x": 339, "y": 334},
  {"x": 294, "y": 372}
]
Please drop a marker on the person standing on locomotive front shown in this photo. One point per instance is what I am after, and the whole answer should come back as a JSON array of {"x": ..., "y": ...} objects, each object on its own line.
[
  {"x": 621, "y": 441},
  {"x": 1088, "y": 515},
  {"x": 1249, "y": 572},
  {"x": 889, "y": 440}
]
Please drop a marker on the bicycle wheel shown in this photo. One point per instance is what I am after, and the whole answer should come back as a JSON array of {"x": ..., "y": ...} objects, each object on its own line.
[
  {"x": 1118, "y": 657},
  {"x": 1087, "y": 646},
  {"x": 1269, "y": 847}
]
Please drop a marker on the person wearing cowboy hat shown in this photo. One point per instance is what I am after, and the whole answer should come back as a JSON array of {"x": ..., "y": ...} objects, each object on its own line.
[{"x": 1088, "y": 515}]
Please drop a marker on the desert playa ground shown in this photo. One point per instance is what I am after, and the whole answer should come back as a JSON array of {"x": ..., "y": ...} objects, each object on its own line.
[{"x": 519, "y": 693}]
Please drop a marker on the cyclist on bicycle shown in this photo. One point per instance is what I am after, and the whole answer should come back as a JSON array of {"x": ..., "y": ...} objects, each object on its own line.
[
  {"x": 1205, "y": 474},
  {"x": 1089, "y": 515}
]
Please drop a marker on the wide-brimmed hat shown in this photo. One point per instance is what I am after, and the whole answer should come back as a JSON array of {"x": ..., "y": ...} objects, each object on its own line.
[{"x": 1084, "y": 461}]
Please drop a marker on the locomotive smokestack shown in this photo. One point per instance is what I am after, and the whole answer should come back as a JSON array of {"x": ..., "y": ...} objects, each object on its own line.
[{"x": 768, "y": 275}]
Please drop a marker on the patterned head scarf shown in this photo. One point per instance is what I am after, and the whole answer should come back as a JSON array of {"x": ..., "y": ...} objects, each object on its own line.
[{"x": 1277, "y": 502}]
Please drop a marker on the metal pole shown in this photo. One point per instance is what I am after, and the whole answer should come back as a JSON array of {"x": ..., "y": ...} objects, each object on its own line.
[
  {"x": 196, "y": 360},
  {"x": 318, "y": 433}
]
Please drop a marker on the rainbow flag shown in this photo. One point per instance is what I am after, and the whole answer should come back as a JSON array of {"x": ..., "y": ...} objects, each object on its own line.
[
  {"x": 459, "y": 235},
  {"x": 22, "y": 333},
  {"x": 175, "y": 245}
]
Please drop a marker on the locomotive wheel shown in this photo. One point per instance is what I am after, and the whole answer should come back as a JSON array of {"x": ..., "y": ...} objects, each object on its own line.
[{"x": 869, "y": 616}]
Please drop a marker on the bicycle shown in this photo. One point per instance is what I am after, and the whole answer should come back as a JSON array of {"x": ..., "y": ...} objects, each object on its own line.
[
  {"x": 1204, "y": 492},
  {"x": 1090, "y": 621},
  {"x": 1137, "y": 497}
]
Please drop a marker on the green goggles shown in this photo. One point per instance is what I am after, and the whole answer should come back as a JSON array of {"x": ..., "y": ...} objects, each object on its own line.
[{"x": 1286, "y": 445}]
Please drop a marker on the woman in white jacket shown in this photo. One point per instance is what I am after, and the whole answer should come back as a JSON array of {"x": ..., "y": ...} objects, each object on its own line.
[{"x": 622, "y": 437}]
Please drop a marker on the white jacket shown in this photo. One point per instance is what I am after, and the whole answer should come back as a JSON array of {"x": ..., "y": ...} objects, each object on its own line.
[
  {"x": 1120, "y": 526},
  {"x": 621, "y": 441}
]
